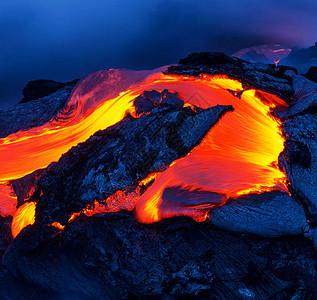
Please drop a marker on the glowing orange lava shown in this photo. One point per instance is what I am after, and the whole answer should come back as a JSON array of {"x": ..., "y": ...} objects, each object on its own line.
[
  {"x": 58, "y": 225},
  {"x": 24, "y": 216},
  {"x": 237, "y": 156}
]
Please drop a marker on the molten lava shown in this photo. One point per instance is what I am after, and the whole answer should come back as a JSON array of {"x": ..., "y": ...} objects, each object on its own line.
[
  {"x": 58, "y": 225},
  {"x": 24, "y": 216},
  {"x": 238, "y": 155}
]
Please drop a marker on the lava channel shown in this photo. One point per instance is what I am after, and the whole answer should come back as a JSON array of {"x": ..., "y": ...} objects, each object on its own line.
[{"x": 238, "y": 155}]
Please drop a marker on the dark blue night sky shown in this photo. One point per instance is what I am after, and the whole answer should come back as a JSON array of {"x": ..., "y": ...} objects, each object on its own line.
[{"x": 67, "y": 39}]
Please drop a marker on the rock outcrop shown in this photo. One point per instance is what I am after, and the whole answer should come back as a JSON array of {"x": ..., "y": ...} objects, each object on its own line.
[
  {"x": 311, "y": 74},
  {"x": 112, "y": 256},
  {"x": 264, "y": 77},
  {"x": 269, "y": 214},
  {"x": 304, "y": 97},
  {"x": 299, "y": 158},
  {"x": 5, "y": 234},
  {"x": 32, "y": 114},
  {"x": 41, "y": 88}
]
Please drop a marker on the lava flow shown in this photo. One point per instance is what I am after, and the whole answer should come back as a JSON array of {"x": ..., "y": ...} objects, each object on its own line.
[
  {"x": 23, "y": 216},
  {"x": 237, "y": 156}
]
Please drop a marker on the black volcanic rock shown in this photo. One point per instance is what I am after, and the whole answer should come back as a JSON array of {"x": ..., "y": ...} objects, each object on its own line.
[
  {"x": 5, "y": 233},
  {"x": 311, "y": 74},
  {"x": 299, "y": 160},
  {"x": 40, "y": 88},
  {"x": 34, "y": 113},
  {"x": 117, "y": 158},
  {"x": 148, "y": 100},
  {"x": 207, "y": 59},
  {"x": 266, "y": 77},
  {"x": 43, "y": 99},
  {"x": 299, "y": 157},
  {"x": 304, "y": 98},
  {"x": 267, "y": 214},
  {"x": 112, "y": 256}
]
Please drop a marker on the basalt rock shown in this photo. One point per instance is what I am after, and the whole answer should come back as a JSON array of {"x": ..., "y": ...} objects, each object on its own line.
[
  {"x": 311, "y": 74},
  {"x": 32, "y": 114},
  {"x": 148, "y": 100},
  {"x": 304, "y": 98},
  {"x": 266, "y": 77},
  {"x": 112, "y": 256},
  {"x": 270, "y": 214},
  {"x": 299, "y": 160},
  {"x": 118, "y": 158},
  {"x": 5, "y": 233},
  {"x": 299, "y": 157},
  {"x": 41, "y": 88}
]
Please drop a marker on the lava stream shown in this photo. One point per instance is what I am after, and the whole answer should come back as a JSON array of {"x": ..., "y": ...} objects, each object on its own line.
[
  {"x": 23, "y": 216},
  {"x": 237, "y": 156}
]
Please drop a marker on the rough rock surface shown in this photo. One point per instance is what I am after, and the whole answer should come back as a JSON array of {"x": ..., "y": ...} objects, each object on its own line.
[
  {"x": 304, "y": 98},
  {"x": 111, "y": 256},
  {"x": 299, "y": 159},
  {"x": 41, "y": 88},
  {"x": 311, "y": 74},
  {"x": 265, "y": 77},
  {"x": 269, "y": 214},
  {"x": 5, "y": 233},
  {"x": 148, "y": 100},
  {"x": 117, "y": 158},
  {"x": 32, "y": 114}
]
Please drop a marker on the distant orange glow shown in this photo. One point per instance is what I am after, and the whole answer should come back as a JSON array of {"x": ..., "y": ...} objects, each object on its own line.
[
  {"x": 276, "y": 61},
  {"x": 237, "y": 156},
  {"x": 24, "y": 216}
]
